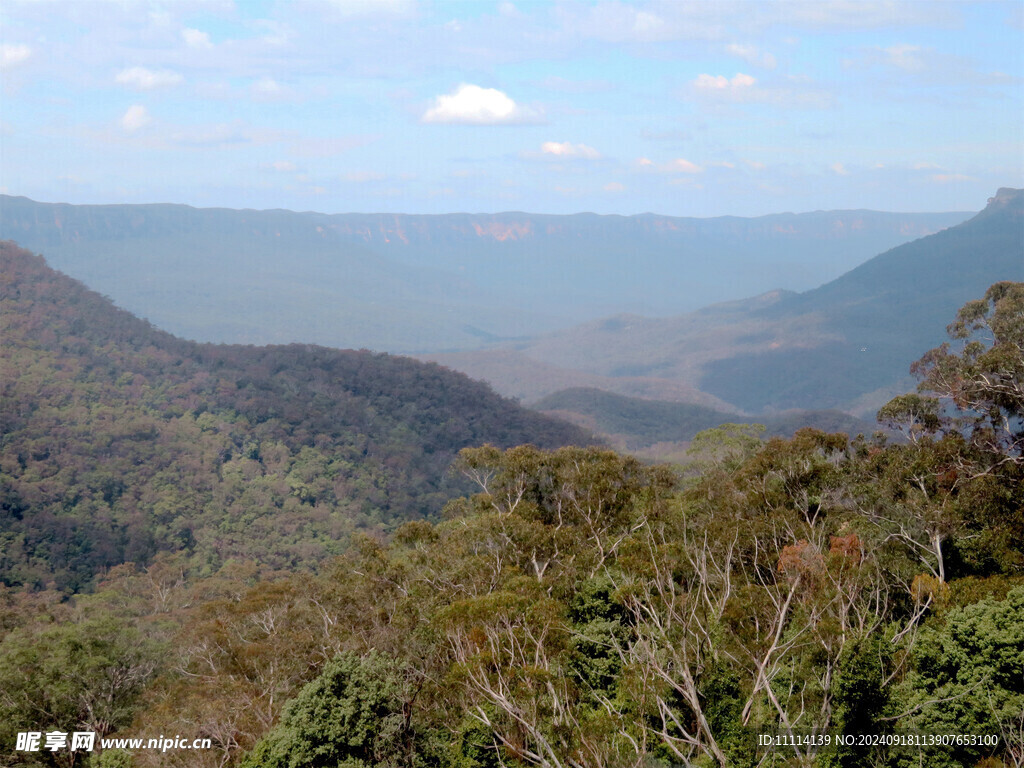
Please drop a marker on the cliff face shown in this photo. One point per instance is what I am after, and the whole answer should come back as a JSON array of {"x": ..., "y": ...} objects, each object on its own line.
[{"x": 411, "y": 230}]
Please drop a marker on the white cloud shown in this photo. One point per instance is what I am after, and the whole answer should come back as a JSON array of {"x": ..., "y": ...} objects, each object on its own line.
[
  {"x": 284, "y": 166},
  {"x": 686, "y": 181},
  {"x": 213, "y": 136},
  {"x": 328, "y": 147},
  {"x": 267, "y": 87},
  {"x": 751, "y": 55},
  {"x": 135, "y": 117},
  {"x": 276, "y": 33},
  {"x": 11, "y": 54},
  {"x": 665, "y": 20},
  {"x": 839, "y": 169},
  {"x": 614, "y": 186},
  {"x": 723, "y": 83},
  {"x": 194, "y": 38},
  {"x": 906, "y": 57},
  {"x": 681, "y": 165},
  {"x": 473, "y": 105},
  {"x": 565, "y": 149},
  {"x": 624, "y": 22},
  {"x": 142, "y": 79},
  {"x": 373, "y": 7},
  {"x": 926, "y": 65},
  {"x": 866, "y": 14},
  {"x": 743, "y": 88},
  {"x": 645, "y": 23},
  {"x": 361, "y": 177}
]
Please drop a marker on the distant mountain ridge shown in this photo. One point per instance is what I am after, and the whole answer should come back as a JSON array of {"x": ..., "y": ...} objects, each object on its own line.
[
  {"x": 880, "y": 316},
  {"x": 406, "y": 283},
  {"x": 663, "y": 429},
  {"x": 846, "y": 345}
]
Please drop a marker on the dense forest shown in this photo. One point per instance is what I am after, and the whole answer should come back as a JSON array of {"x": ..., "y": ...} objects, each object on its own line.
[
  {"x": 172, "y": 510},
  {"x": 121, "y": 441}
]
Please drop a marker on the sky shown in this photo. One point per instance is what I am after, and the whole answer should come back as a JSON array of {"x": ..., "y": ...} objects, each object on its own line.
[{"x": 417, "y": 106}]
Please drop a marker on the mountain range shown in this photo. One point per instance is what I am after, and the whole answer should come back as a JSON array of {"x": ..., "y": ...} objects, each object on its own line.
[
  {"x": 406, "y": 283},
  {"x": 492, "y": 295},
  {"x": 845, "y": 345}
]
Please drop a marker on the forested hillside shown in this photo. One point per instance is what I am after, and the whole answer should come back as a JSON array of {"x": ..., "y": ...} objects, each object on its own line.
[
  {"x": 874, "y": 319},
  {"x": 577, "y": 609},
  {"x": 121, "y": 441}
]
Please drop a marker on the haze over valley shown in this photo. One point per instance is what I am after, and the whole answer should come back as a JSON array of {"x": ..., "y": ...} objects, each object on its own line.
[
  {"x": 399, "y": 283},
  {"x": 501, "y": 296}
]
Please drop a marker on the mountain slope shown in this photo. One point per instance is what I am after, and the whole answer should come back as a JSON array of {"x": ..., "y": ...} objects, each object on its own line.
[
  {"x": 404, "y": 283},
  {"x": 883, "y": 314},
  {"x": 120, "y": 441},
  {"x": 846, "y": 345},
  {"x": 636, "y": 424}
]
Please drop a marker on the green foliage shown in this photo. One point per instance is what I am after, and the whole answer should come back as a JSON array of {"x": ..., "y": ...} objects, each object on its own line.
[
  {"x": 580, "y": 608},
  {"x": 960, "y": 485},
  {"x": 985, "y": 378},
  {"x": 114, "y": 758},
  {"x": 725, "y": 446},
  {"x": 722, "y": 696},
  {"x": 911, "y": 414},
  {"x": 862, "y": 700},
  {"x": 76, "y": 675},
  {"x": 598, "y": 628},
  {"x": 120, "y": 441},
  {"x": 352, "y": 716},
  {"x": 968, "y": 677},
  {"x": 470, "y": 744}
]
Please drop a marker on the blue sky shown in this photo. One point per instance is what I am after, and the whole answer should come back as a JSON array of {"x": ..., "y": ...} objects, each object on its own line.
[{"x": 680, "y": 108}]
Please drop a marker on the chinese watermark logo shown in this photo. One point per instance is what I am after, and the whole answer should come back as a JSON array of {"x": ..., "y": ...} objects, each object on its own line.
[
  {"x": 37, "y": 741},
  {"x": 85, "y": 741}
]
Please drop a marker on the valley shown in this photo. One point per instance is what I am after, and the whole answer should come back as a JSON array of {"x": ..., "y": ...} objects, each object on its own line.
[
  {"x": 845, "y": 345},
  {"x": 502, "y": 384}
]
